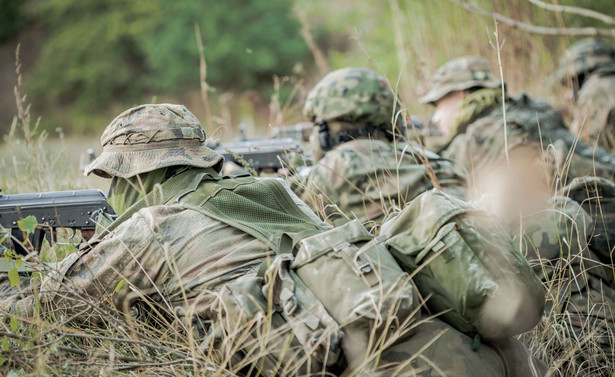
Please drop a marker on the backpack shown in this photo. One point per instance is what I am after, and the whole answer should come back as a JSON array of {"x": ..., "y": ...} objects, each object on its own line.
[
  {"x": 338, "y": 289},
  {"x": 465, "y": 266}
]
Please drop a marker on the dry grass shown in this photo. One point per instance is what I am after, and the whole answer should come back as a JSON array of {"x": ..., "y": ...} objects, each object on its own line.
[{"x": 112, "y": 343}]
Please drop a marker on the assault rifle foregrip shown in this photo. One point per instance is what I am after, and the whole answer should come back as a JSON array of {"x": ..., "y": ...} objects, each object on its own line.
[{"x": 58, "y": 209}]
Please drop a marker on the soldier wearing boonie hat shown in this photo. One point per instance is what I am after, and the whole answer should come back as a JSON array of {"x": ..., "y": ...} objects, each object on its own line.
[
  {"x": 363, "y": 172},
  {"x": 150, "y": 137},
  {"x": 460, "y": 74},
  {"x": 194, "y": 249},
  {"x": 513, "y": 157}
]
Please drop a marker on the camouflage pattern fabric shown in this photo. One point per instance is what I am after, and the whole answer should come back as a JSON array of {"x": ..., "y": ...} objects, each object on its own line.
[
  {"x": 353, "y": 95},
  {"x": 124, "y": 192},
  {"x": 584, "y": 57},
  {"x": 480, "y": 137},
  {"x": 580, "y": 285},
  {"x": 150, "y": 137},
  {"x": 460, "y": 74},
  {"x": 436, "y": 349},
  {"x": 467, "y": 264},
  {"x": 597, "y": 197},
  {"x": 136, "y": 254},
  {"x": 368, "y": 178},
  {"x": 167, "y": 264},
  {"x": 594, "y": 112},
  {"x": 170, "y": 258}
]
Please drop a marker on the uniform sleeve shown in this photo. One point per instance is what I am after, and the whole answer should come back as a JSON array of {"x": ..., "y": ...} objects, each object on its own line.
[{"x": 109, "y": 274}]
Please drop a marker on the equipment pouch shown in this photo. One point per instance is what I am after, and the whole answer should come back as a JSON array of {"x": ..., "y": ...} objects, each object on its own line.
[
  {"x": 278, "y": 339},
  {"x": 360, "y": 284},
  {"x": 312, "y": 325},
  {"x": 467, "y": 265}
]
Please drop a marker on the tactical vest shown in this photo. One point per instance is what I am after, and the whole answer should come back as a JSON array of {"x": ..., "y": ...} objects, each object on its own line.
[{"x": 322, "y": 281}]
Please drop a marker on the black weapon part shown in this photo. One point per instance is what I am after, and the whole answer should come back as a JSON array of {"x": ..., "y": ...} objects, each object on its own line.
[{"x": 59, "y": 209}]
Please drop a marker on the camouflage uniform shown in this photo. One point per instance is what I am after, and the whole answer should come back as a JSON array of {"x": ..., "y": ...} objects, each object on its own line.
[
  {"x": 364, "y": 174},
  {"x": 580, "y": 279},
  {"x": 556, "y": 229},
  {"x": 163, "y": 257},
  {"x": 167, "y": 260},
  {"x": 477, "y": 133},
  {"x": 590, "y": 65}
]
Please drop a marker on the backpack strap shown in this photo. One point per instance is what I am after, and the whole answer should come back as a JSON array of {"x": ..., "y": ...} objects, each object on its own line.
[
  {"x": 174, "y": 186},
  {"x": 269, "y": 195}
]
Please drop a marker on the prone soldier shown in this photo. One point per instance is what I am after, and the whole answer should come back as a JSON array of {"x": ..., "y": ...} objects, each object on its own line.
[
  {"x": 588, "y": 68},
  {"x": 212, "y": 253}
]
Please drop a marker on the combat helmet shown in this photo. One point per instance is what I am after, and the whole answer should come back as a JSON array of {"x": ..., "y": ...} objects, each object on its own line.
[
  {"x": 353, "y": 95},
  {"x": 460, "y": 74},
  {"x": 150, "y": 137},
  {"x": 584, "y": 57}
]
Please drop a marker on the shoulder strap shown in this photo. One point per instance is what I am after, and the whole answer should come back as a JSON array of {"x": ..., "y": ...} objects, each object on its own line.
[
  {"x": 174, "y": 186},
  {"x": 262, "y": 208}
]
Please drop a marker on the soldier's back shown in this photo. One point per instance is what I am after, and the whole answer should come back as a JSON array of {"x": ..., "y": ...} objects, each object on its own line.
[
  {"x": 369, "y": 178},
  {"x": 594, "y": 115},
  {"x": 531, "y": 124}
]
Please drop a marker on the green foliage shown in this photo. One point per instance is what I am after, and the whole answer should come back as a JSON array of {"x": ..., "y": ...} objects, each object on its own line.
[
  {"x": 14, "y": 324},
  {"x": 119, "y": 286},
  {"x": 12, "y": 19},
  {"x": 97, "y": 51},
  {"x": 13, "y": 277},
  {"x": 28, "y": 224}
]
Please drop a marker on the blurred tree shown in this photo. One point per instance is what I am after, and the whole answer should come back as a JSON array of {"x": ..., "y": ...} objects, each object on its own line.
[
  {"x": 11, "y": 18},
  {"x": 246, "y": 42},
  {"x": 100, "y": 50}
]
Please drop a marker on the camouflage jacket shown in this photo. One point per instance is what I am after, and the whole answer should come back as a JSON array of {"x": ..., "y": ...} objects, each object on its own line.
[
  {"x": 594, "y": 114},
  {"x": 367, "y": 179},
  {"x": 555, "y": 240},
  {"x": 168, "y": 254},
  {"x": 175, "y": 255},
  {"x": 480, "y": 139}
]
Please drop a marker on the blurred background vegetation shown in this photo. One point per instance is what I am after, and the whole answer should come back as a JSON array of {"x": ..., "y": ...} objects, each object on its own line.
[{"x": 83, "y": 62}]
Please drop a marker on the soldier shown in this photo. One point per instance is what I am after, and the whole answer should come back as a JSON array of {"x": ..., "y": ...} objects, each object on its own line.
[
  {"x": 588, "y": 68},
  {"x": 362, "y": 167},
  {"x": 469, "y": 112},
  {"x": 505, "y": 157},
  {"x": 191, "y": 246}
]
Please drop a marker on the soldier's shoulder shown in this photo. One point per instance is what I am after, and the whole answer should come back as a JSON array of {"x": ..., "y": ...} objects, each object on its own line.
[{"x": 599, "y": 85}]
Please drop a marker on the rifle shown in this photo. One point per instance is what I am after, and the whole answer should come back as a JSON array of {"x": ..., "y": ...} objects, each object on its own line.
[
  {"x": 259, "y": 153},
  {"x": 58, "y": 209},
  {"x": 300, "y": 132},
  {"x": 414, "y": 122}
]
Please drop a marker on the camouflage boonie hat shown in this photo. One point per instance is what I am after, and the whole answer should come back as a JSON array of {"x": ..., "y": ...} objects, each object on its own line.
[
  {"x": 584, "y": 57},
  {"x": 353, "y": 95},
  {"x": 460, "y": 74},
  {"x": 150, "y": 137}
]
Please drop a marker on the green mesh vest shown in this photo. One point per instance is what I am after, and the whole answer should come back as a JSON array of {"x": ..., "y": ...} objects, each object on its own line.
[{"x": 262, "y": 208}]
